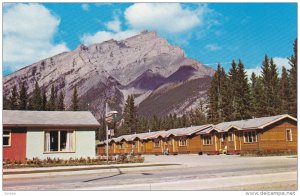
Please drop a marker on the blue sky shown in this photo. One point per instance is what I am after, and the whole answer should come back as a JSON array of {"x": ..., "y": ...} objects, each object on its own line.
[{"x": 209, "y": 33}]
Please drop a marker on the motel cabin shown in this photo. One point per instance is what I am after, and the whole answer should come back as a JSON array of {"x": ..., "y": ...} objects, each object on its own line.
[
  {"x": 53, "y": 134},
  {"x": 274, "y": 134}
]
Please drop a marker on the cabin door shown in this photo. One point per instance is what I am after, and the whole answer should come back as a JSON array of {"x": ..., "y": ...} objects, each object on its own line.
[{"x": 170, "y": 145}]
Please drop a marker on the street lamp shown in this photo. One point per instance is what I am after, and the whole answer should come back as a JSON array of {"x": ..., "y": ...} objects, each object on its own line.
[{"x": 109, "y": 117}]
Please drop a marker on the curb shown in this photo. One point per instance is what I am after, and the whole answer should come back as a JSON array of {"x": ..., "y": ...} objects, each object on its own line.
[{"x": 78, "y": 171}]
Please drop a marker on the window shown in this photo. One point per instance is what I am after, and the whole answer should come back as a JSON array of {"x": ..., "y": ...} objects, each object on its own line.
[
  {"x": 289, "y": 135},
  {"x": 134, "y": 145},
  {"x": 223, "y": 137},
  {"x": 230, "y": 137},
  {"x": 156, "y": 143},
  {"x": 182, "y": 142},
  {"x": 59, "y": 141},
  {"x": 207, "y": 139},
  {"x": 121, "y": 146},
  {"x": 6, "y": 137},
  {"x": 250, "y": 137}
]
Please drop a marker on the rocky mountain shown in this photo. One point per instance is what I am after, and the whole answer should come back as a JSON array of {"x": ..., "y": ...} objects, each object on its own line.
[{"x": 145, "y": 65}]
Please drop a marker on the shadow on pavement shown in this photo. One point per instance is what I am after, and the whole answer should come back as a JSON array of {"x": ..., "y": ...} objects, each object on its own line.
[{"x": 119, "y": 173}]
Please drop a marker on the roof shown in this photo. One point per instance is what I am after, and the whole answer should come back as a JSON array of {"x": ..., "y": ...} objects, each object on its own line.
[
  {"x": 185, "y": 131},
  {"x": 18, "y": 118},
  {"x": 254, "y": 123}
]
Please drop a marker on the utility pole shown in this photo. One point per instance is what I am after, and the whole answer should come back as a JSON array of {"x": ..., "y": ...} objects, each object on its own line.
[
  {"x": 109, "y": 118},
  {"x": 106, "y": 131}
]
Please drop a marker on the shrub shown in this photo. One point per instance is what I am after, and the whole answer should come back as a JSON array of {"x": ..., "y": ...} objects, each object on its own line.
[{"x": 49, "y": 162}]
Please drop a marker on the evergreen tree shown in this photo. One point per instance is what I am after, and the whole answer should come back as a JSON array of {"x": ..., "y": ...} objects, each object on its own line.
[
  {"x": 178, "y": 122},
  {"x": 22, "y": 97},
  {"x": 217, "y": 96},
  {"x": 74, "y": 105},
  {"x": 30, "y": 104},
  {"x": 213, "y": 97},
  {"x": 274, "y": 89},
  {"x": 266, "y": 81},
  {"x": 130, "y": 116},
  {"x": 44, "y": 100},
  {"x": 293, "y": 61},
  {"x": 60, "y": 104},
  {"x": 243, "y": 98},
  {"x": 226, "y": 98},
  {"x": 185, "y": 121},
  {"x": 256, "y": 96},
  {"x": 285, "y": 92},
  {"x": 13, "y": 99},
  {"x": 37, "y": 98},
  {"x": 232, "y": 88},
  {"x": 6, "y": 104},
  {"x": 52, "y": 100}
]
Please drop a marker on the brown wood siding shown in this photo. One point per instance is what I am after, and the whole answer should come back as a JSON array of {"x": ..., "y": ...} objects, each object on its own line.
[
  {"x": 209, "y": 149},
  {"x": 273, "y": 138},
  {"x": 194, "y": 144}
]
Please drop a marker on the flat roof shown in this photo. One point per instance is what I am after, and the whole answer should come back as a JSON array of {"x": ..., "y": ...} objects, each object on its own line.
[{"x": 21, "y": 118}]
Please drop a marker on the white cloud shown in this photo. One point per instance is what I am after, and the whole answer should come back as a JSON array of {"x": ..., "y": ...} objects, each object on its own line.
[
  {"x": 100, "y": 36},
  {"x": 279, "y": 61},
  {"x": 28, "y": 30},
  {"x": 256, "y": 70},
  {"x": 115, "y": 24},
  {"x": 85, "y": 7},
  {"x": 164, "y": 17},
  {"x": 213, "y": 47},
  {"x": 169, "y": 19}
]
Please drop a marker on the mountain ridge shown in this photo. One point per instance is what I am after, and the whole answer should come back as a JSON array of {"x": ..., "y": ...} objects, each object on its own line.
[{"x": 114, "y": 69}]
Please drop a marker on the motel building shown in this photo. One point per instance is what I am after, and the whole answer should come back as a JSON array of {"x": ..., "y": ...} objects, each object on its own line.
[
  {"x": 274, "y": 134},
  {"x": 53, "y": 134}
]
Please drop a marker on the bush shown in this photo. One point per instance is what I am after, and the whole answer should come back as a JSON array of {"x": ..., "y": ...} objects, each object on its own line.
[{"x": 48, "y": 162}]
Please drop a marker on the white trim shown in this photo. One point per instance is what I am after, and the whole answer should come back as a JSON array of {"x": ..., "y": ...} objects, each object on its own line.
[
  {"x": 59, "y": 150},
  {"x": 234, "y": 141},
  {"x": 245, "y": 137},
  {"x": 9, "y": 137},
  {"x": 286, "y": 134},
  {"x": 232, "y": 126},
  {"x": 278, "y": 119},
  {"x": 154, "y": 143},
  {"x": 180, "y": 141},
  {"x": 207, "y": 144},
  {"x": 216, "y": 145},
  {"x": 231, "y": 138}
]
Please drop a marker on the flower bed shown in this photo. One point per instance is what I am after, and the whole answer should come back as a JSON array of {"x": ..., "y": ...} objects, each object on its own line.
[{"x": 36, "y": 162}]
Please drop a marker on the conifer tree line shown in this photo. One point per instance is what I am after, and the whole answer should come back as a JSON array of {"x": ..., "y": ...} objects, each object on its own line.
[
  {"x": 20, "y": 100},
  {"x": 233, "y": 97},
  {"x": 132, "y": 123}
]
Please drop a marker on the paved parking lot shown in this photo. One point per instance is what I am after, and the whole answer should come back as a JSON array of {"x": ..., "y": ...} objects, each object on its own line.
[{"x": 217, "y": 160}]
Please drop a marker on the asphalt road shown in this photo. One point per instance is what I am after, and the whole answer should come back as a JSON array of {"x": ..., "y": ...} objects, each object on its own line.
[{"x": 192, "y": 172}]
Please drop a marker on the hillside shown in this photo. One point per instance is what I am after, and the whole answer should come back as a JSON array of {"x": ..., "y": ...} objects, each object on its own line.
[{"x": 109, "y": 71}]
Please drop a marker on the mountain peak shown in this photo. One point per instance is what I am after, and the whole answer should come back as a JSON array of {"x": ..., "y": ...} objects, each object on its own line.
[
  {"x": 136, "y": 65},
  {"x": 81, "y": 47}
]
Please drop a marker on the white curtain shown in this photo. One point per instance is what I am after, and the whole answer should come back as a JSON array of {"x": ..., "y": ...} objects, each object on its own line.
[
  {"x": 69, "y": 144},
  {"x": 47, "y": 141}
]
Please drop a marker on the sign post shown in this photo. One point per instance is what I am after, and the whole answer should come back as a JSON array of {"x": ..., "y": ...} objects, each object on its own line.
[{"x": 109, "y": 117}]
